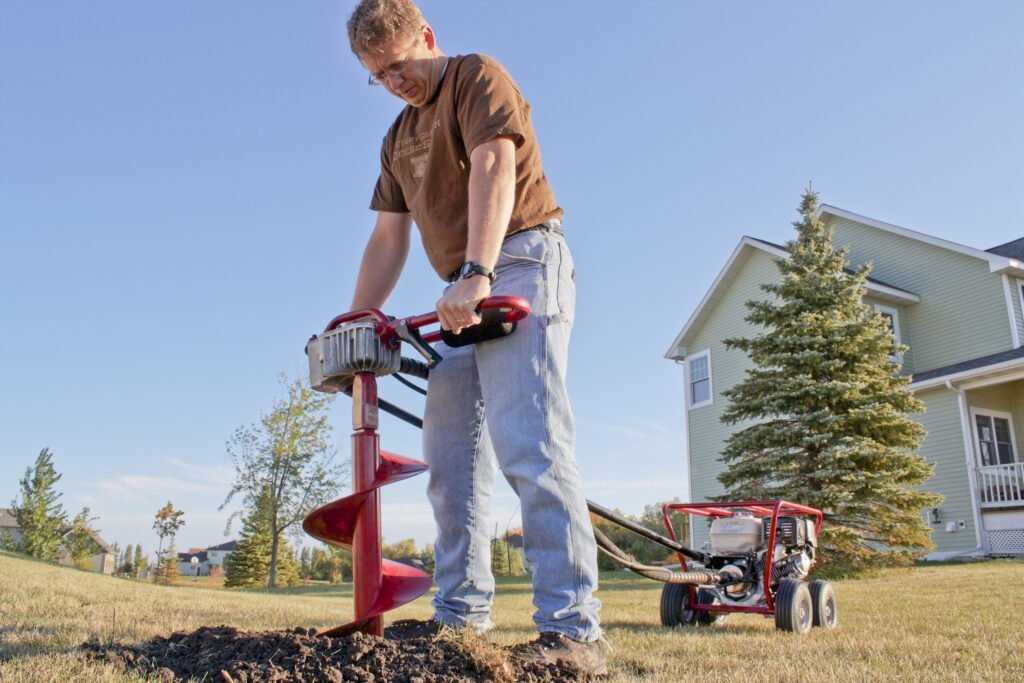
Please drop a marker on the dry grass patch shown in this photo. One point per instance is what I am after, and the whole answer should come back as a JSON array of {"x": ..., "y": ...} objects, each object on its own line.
[{"x": 949, "y": 622}]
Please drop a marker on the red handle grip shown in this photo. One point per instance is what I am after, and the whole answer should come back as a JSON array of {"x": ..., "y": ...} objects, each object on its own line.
[{"x": 516, "y": 308}]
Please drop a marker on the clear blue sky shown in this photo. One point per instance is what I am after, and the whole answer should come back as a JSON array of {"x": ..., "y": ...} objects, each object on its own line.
[{"x": 183, "y": 193}]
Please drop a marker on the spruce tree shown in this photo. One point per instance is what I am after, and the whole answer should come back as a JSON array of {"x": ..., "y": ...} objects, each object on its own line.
[
  {"x": 40, "y": 517},
  {"x": 126, "y": 568},
  {"x": 499, "y": 557},
  {"x": 249, "y": 563},
  {"x": 139, "y": 564},
  {"x": 832, "y": 428}
]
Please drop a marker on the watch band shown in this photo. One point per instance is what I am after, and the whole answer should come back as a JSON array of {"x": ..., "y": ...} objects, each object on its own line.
[{"x": 471, "y": 268}]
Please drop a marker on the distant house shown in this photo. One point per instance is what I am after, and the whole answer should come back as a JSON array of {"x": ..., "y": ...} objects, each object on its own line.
[
  {"x": 208, "y": 561},
  {"x": 101, "y": 556},
  {"x": 961, "y": 312},
  {"x": 10, "y": 532}
]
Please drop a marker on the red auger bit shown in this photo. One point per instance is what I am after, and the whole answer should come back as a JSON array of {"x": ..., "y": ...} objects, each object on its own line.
[{"x": 347, "y": 357}]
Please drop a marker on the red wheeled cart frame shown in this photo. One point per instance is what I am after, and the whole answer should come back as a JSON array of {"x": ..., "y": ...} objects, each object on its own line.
[{"x": 762, "y": 508}]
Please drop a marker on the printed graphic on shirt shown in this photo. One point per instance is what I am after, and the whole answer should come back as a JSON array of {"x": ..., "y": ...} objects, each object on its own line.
[{"x": 414, "y": 150}]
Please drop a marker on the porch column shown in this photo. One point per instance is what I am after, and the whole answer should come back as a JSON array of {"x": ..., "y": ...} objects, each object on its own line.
[{"x": 980, "y": 537}]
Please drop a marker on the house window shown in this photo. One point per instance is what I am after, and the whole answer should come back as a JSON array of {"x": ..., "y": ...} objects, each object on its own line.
[
  {"x": 698, "y": 379},
  {"x": 993, "y": 433},
  {"x": 892, "y": 317}
]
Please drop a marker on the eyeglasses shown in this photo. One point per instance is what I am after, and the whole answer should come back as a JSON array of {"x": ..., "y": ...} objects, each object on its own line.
[{"x": 395, "y": 69}]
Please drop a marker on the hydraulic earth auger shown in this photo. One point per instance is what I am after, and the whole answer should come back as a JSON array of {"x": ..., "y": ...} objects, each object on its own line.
[{"x": 353, "y": 350}]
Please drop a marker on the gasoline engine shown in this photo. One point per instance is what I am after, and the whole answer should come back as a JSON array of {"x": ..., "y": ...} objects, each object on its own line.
[{"x": 740, "y": 549}]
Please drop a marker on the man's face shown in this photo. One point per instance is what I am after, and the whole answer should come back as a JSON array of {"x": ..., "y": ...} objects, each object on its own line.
[{"x": 405, "y": 67}]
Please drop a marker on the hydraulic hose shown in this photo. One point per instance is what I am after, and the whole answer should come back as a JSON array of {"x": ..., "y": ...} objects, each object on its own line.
[{"x": 663, "y": 574}]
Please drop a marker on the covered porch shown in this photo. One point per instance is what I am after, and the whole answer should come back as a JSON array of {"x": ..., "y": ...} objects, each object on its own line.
[{"x": 995, "y": 417}]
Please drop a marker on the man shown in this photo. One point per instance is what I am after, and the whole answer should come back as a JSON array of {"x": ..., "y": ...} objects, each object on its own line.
[{"x": 462, "y": 161}]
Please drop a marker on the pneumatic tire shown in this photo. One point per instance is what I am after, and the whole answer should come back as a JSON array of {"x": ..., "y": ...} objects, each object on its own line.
[
  {"x": 674, "y": 609},
  {"x": 794, "y": 609},
  {"x": 823, "y": 599}
]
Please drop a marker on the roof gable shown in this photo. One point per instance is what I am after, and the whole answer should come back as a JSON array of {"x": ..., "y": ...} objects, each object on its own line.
[
  {"x": 735, "y": 263},
  {"x": 230, "y": 545},
  {"x": 998, "y": 262}
]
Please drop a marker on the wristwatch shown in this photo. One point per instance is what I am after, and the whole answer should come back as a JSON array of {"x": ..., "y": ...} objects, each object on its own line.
[{"x": 471, "y": 268}]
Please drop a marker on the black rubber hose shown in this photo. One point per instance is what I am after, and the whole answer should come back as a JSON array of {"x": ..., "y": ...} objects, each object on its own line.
[
  {"x": 412, "y": 385},
  {"x": 663, "y": 574},
  {"x": 392, "y": 409},
  {"x": 605, "y": 513},
  {"x": 413, "y": 367}
]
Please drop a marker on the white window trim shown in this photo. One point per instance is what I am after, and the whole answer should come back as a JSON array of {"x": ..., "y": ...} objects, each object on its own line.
[
  {"x": 895, "y": 313},
  {"x": 711, "y": 381},
  {"x": 1014, "y": 330},
  {"x": 1020, "y": 299},
  {"x": 896, "y": 334},
  {"x": 985, "y": 412}
]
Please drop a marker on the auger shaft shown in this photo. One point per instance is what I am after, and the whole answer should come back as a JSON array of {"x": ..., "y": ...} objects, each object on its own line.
[{"x": 367, "y": 570}]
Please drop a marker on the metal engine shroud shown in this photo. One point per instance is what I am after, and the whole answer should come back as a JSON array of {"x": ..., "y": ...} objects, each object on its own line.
[{"x": 339, "y": 354}]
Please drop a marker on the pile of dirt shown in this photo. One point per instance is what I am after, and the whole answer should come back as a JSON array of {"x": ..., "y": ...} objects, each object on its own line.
[{"x": 227, "y": 655}]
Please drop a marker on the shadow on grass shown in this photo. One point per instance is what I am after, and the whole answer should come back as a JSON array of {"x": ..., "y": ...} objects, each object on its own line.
[
  {"x": 614, "y": 582},
  {"x": 10, "y": 651},
  {"x": 646, "y": 629},
  {"x": 339, "y": 590}
]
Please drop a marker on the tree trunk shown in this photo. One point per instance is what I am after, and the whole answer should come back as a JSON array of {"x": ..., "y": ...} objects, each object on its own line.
[{"x": 272, "y": 574}]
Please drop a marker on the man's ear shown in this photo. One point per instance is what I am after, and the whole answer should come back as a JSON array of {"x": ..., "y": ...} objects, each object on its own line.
[{"x": 428, "y": 37}]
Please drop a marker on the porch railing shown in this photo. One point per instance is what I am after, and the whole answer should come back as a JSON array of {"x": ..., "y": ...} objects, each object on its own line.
[{"x": 1001, "y": 485}]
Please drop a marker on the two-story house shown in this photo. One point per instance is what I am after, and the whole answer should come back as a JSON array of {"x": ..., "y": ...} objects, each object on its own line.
[
  {"x": 208, "y": 561},
  {"x": 961, "y": 312}
]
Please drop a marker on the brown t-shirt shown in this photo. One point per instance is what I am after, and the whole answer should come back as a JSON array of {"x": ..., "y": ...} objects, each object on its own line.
[{"x": 424, "y": 161}]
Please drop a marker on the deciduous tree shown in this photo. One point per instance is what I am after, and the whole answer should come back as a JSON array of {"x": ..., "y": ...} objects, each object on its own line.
[
  {"x": 167, "y": 523},
  {"x": 287, "y": 454},
  {"x": 78, "y": 540}
]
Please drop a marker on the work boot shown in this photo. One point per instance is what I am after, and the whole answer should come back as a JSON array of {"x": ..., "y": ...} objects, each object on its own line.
[{"x": 550, "y": 648}]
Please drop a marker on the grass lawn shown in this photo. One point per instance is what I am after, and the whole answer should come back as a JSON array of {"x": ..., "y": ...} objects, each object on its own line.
[{"x": 948, "y": 622}]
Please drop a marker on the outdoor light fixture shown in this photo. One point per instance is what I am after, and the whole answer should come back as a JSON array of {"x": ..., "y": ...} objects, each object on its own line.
[{"x": 935, "y": 516}]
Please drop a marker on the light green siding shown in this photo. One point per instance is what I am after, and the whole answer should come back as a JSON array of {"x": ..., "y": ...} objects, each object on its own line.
[
  {"x": 943, "y": 447},
  {"x": 1003, "y": 398},
  {"x": 962, "y": 313},
  {"x": 706, "y": 433}
]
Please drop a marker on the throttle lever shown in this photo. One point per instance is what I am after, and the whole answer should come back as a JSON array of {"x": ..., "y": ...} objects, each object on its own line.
[{"x": 412, "y": 337}]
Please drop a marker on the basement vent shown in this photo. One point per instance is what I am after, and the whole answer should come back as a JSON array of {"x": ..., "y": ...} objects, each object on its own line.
[{"x": 1006, "y": 542}]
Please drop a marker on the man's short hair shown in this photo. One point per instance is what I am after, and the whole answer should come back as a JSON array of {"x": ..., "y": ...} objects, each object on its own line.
[{"x": 376, "y": 22}]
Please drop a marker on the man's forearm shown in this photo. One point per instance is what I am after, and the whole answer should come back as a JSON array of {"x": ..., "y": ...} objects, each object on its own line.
[
  {"x": 383, "y": 260},
  {"x": 492, "y": 189}
]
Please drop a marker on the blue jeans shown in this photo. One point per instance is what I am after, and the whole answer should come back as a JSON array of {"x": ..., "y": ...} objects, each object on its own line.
[{"x": 503, "y": 403}]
